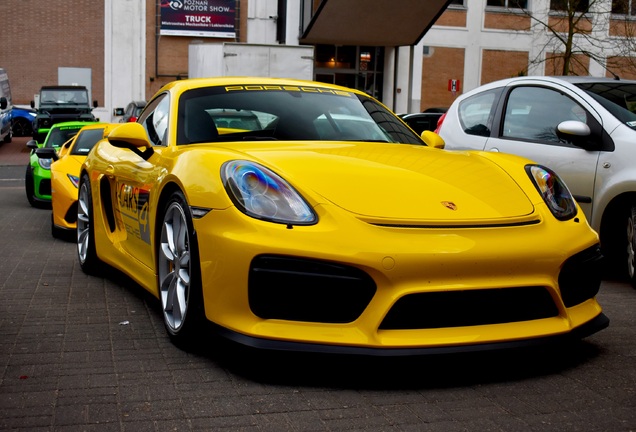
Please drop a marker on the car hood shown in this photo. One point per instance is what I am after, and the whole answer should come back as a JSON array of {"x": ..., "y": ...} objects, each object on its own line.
[{"x": 402, "y": 183}]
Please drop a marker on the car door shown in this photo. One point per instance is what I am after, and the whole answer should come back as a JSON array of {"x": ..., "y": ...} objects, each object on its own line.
[
  {"x": 526, "y": 125},
  {"x": 135, "y": 180}
]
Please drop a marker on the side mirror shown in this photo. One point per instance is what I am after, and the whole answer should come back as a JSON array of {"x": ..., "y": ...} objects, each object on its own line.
[
  {"x": 32, "y": 145},
  {"x": 117, "y": 112},
  {"x": 433, "y": 140},
  {"x": 578, "y": 133},
  {"x": 3, "y": 102},
  {"x": 129, "y": 135},
  {"x": 573, "y": 127},
  {"x": 47, "y": 153}
]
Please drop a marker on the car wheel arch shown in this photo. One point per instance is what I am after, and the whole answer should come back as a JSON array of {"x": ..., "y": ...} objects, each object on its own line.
[
  {"x": 612, "y": 229},
  {"x": 194, "y": 316}
]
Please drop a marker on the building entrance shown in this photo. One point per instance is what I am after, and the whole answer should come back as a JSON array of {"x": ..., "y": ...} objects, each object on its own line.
[{"x": 358, "y": 67}]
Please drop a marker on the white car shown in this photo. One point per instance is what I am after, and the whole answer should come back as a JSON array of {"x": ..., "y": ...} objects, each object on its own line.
[{"x": 584, "y": 128}]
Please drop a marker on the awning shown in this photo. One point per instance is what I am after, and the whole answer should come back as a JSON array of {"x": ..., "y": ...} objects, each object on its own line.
[{"x": 372, "y": 22}]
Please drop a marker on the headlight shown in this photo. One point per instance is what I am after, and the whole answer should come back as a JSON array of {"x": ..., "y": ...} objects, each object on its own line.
[
  {"x": 262, "y": 194},
  {"x": 45, "y": 163},
  {"x": 74, "y": 180},
  {"x": 554, "y": 192}
]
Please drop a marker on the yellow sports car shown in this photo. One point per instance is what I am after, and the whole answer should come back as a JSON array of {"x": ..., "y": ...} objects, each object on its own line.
[
  {"x": 319, "y": 221},
  {"x": 65, "y": 170}
]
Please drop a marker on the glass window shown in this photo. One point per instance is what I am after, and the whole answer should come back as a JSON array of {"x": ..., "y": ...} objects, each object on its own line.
[
  {"x": 533, "y": 113},
  {"x": 509, "y": 4},
  {"x": 86, "y": 141},
  {"x": 624, "y": 7},
  {"x": 155, "y": 120},
  {"x": 476, "y": 113},
  {"x": 285, "y": 113},
  {"x": 59, "y": 135},
  {"x": 619, "y": 98},
  {"x": 567, "y": 5}
]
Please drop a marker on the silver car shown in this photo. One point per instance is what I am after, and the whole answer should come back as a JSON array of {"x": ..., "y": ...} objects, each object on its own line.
[{"x": 584, "y": 128}]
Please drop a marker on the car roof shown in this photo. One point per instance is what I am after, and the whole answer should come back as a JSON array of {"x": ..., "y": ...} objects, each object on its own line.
[
  {"x": 267, "y": 82},
  {"x": 590, "y": 79}
]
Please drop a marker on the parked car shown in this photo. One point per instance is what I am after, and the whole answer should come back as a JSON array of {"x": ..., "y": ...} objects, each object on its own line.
[
  {"x": 64, "y": 169},
  {"x": 131, "y": 112},
  {"x": 59, "y": 104},
  {"x": 5, "y": 107},
  {"x": 584, "y": 128},
  {"x": 423, "y": 121},
  {"x": 37, "y": 181},
  {"x": 22, "y": 121},
  {"x": 306, "y": 231}
]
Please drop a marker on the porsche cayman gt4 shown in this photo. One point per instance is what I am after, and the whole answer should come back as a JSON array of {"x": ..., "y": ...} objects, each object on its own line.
[{"x": 305, "y": 216}]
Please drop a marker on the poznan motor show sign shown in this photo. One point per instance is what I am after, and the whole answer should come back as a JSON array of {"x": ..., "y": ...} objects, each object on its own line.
[{"x": 204, "y": 18}]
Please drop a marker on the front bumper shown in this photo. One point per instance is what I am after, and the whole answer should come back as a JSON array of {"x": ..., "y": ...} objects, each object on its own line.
[{"x": 404, "y": 290}]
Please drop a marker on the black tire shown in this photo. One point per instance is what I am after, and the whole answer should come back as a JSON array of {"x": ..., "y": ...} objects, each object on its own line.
[
  {"x": 21, "y": 127},
  {"x": 630, "y": 245},
  {"x": 7, "y": 137},
  {"x": 178, "y": 272},
  {"x": 85, "y": 240},
  {"x": 29, "y": 186}
]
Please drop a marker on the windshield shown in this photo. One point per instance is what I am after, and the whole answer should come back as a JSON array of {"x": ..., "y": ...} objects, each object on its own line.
[
  {"x": 60, "y": 135},
  {"x": 86, "y": 141},
  {"x": 617, "y": 97},
  {"x": 285, "y": 113},
  {"x": 64, "y": 96}
]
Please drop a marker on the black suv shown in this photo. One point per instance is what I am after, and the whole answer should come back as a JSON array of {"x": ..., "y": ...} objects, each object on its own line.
[{"x": 61, "y": 104}]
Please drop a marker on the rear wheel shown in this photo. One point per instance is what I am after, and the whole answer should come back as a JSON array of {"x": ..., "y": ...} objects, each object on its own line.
[
  {"x": 29, "y": 186},
  {"x": 178, "y": 270},
  {"x": 86, "y": 251},
  {"x": 21, "y": 127}
]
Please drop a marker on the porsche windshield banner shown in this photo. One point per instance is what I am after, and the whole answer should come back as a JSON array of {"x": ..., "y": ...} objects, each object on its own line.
[{"x": 203, "y": 18}]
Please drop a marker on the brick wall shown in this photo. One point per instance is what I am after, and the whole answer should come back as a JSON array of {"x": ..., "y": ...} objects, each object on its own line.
[
  {"x": 498, "y": 64},
  {"x": 440, "y": 65},
  {"x": 38, "y": 37}
]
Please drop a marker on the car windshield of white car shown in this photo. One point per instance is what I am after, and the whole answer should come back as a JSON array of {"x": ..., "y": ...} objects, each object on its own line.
[
  {"x": 617, "y": 97},
  {"x": 247, "y": 113}
]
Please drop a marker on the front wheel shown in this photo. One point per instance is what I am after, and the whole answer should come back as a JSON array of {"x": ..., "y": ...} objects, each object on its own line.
[
  {"x": 21, "y": 127},
  {"x": 631, "y": 245},
  {"x": 86, "y": 251},
  {"x": 178, "y": 271}
]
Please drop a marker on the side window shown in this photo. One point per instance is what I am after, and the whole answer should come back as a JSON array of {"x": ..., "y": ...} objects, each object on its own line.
[
  {"x": 155, "y": 120},
  {"x": 533, "y": 113},
  {"x": 476, "y": 113}
]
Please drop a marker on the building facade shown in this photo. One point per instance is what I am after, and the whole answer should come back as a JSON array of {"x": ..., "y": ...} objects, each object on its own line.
[
  {"x": 479, "y": 41},
  {"x": 411, "y": 59}
]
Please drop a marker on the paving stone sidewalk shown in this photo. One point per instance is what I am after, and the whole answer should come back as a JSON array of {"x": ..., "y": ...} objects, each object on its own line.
[{"x": 81, "y": 353}]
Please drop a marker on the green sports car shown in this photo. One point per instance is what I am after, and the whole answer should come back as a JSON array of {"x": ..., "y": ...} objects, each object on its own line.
[{"x": 38, "y": 172}]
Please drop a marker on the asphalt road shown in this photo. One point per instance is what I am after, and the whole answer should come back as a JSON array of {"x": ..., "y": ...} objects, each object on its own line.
[{"x": 81, "y": 353}]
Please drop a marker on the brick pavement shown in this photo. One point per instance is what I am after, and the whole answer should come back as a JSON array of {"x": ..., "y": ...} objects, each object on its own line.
[
  {"x": 15, "y": 152},
  {"x": 81, "y": 353}
]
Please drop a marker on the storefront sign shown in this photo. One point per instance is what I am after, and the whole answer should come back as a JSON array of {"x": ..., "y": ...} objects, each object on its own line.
[{"x": 203, "y": 18}]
